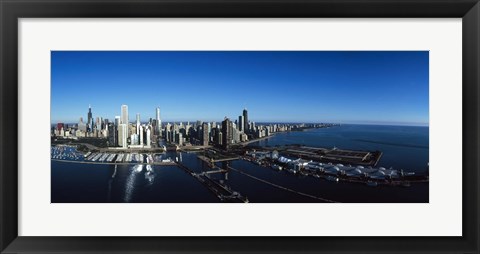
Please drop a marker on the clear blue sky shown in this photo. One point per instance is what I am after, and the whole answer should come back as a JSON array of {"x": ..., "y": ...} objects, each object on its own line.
[{"x": 377, "y": 87}]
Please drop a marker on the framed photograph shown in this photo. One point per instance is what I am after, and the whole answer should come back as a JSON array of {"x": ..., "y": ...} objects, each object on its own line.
[{"x": 207, "y": 126}]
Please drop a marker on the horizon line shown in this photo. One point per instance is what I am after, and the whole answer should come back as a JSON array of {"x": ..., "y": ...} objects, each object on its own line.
[{"x": 407, "y": 124}]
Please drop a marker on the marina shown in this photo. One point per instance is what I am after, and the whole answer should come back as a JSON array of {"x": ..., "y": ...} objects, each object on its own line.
[
  {"x": 371, "y": 176},
  {"x": 263, "y": 174},
  {"x": 70, "y": 154}
]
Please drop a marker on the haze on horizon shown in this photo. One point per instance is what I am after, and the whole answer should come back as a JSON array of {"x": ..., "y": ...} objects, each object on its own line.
[{"x": 362, "y": 87}]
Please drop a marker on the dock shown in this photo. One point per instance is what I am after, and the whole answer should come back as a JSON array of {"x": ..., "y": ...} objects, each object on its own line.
[
  {"x": 221, "y": 191},
  {"x": 211, "y": 160},
  {"x": 333, "y": 155}
]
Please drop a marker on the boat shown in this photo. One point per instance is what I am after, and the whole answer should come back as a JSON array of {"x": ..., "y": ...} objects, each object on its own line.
[
  {"x": 138, "y": 168},
  {"x": 372, "y": 184},
  {"x": 277, "y": 167},
  {"x": 332, "y": 178},
  {"x": 149, "y": 168}
]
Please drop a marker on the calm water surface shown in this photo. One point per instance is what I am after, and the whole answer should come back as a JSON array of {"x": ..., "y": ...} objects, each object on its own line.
[{"x": 403, "y": 147}]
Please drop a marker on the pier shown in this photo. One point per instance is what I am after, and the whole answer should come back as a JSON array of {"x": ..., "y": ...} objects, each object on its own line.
[
  {"x": 211, "y": 160},
  {"x": 333, "y": 155},
  {"x": 223, "y": 192}
]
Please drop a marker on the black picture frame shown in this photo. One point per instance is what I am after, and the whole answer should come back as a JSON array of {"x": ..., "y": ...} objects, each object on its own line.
[{"x": 12, "y": 10}]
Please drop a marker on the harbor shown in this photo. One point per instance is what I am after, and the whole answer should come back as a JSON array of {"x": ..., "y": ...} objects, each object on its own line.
[
  {"x": 217, "y": 171},
  {"x": 69, "y": 153},
  {"x": 297, "y": 160},
  {"x": 222, "y": 191},
  {"x": 371, "y": 176}
]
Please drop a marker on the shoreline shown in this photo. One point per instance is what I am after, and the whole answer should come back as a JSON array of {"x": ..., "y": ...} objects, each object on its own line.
[
  {"x": 257, "y": 139},
  {"x": 274, "y": 134}
]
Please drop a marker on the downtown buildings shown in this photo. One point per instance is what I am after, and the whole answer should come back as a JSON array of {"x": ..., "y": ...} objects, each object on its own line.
[{"x": 121, "y": 133}]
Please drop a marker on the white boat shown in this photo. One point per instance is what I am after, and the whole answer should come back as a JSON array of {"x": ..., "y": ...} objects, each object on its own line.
[
  {"x": 138, "y": 168},
  {"x": 332, "y": 178},
  {"x": 149, "y": 168}
]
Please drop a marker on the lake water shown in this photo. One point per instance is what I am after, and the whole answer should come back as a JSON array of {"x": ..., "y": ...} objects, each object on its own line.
[{"x": 403, "y": 148}]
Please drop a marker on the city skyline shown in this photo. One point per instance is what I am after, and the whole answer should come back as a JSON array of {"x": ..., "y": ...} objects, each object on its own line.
[
  {"x": 313, "y": 86},
  {"x": 146, "y": 119}
]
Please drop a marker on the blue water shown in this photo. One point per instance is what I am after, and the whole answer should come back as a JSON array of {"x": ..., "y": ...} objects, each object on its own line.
[{"x": 403, "y": 147}]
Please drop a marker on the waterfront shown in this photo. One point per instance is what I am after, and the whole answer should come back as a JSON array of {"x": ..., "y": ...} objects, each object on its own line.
[{"x": 403, "y": 148}]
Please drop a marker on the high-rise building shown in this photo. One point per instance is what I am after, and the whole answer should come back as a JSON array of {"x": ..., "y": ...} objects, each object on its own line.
[
  {"x": 122, "y": 135},
  {"x": 167, "y": 133},
  {"x": 241, "y": 123},
  {"x": 245, "y": 120},
  {"x": 205, "y": 135},
  {"x": 124, "y": 117},
  {"x": 138, "y": 124},
  {"x": 148, "y": 137},
  {"x": 227, "y": 135},
  {"x": 117, "y": 123},
  {"x": 214, "y": 133},
  {"x": 134, "y": 139},
  {"x": 141, "y": 135},
  {"x": 159, "y": 122},
  {"x": 90, "y": 120},
  {"x": 180, "y": 139},
  {"x": 82, "y": 126},
  {"x": 60, "y": 126},
  {"x": 112, "y": 134}
]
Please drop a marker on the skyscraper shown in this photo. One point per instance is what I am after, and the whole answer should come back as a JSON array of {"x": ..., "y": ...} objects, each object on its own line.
[
  {"x": 124, "y": 118},
  {"x": 90, "y": 120},
  {"x": 159, "y": 122},
  {"x": 122, "y": 135},
  {"x": 245, "y": 120},
  {"x": 148, "y": 137},
  {"x": 138, "y": 124},
  {"x": 112, "y": 134},
  {"x": 241, "y": 123},
  {"x": 141, "y": 135},
  {"x": 205, "y": 135},
  {"x": 227, "y": 135}
]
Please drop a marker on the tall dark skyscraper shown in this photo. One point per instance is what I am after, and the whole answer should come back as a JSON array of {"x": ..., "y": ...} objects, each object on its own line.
[
  {"x": 245, "y": 121},
  {"x": 227, "y": 134},
  {"x": 205, "y": 136},
  {"x": 90, "y": 120},
  {"x": 112, "y": 134}
]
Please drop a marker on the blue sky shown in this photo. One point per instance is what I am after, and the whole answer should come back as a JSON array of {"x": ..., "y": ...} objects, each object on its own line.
[{"x": 370, "y": 87}]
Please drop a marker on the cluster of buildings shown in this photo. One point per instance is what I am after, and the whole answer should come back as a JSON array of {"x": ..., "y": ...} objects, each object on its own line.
[
  {"x": 119, "y": 133},
  {"x": 124, "y": 134}
]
